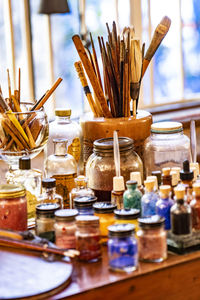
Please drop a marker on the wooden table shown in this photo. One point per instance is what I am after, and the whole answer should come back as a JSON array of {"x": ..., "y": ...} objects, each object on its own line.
[{"x": 176, "y": 278}]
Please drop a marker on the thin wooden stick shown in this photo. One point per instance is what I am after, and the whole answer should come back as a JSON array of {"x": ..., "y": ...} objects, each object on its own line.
[
  {"x": 122, "y": 55},
  {"x": 19, "y": 85},
  {"x": 96, "y": 62}
]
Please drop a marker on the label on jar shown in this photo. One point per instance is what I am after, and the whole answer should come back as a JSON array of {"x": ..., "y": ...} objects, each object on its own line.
[
  {"x": 31, "y": 204},
  {"x": 75, "y": 149},
  {"x": 64, "y": 184}
]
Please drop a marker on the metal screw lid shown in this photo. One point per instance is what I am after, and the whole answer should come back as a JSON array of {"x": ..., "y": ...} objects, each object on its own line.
[
  {"x": 49, "y": 182},
  {"x": 121, "y": 230},
  {"x": 63, "y": 112},
  {"x": 154, "y": 221},
  {"x": 104, "y": 207},
  {"x": 86, "y": 201},
  {"x": 66, "y": 214},
  {"x": 127, "y": 214},
  {"x": 25, "y": 163}
]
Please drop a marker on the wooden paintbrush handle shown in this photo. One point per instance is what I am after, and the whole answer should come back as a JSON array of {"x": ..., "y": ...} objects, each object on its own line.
[
  {"x": 12, "y": 134},
  {"x": 91, "y": 75}
]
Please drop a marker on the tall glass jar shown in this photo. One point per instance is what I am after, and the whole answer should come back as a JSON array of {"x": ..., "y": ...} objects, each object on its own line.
[
  {"x": 100, "y": 167},
  {"x": 166, "y": 147}
]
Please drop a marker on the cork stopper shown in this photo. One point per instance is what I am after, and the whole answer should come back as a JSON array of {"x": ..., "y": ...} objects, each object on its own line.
[
  {"x": 155, "y": 181},
  {"x": 165, "y": 191},
  {"x": 177, "y": 170},
  {"x": 174, "y": 175},
  {"x": 179, "y": 192},
  {"x": 196, "y": 165},
  {"x": 196, "y": 189},
  {"x": 194, "y": 169},
  {"x": 118, "y": 183},
  {"x": 166, "y": 171},
  {"x": 149, "y": 185},
  {"x": 136, "y": 176}
]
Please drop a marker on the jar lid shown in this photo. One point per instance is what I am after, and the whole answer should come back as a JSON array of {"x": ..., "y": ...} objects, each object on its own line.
[
  {"x": 154, "y": 221},
  {"x": 127, "y": 214},
  {"x": 86, "y": 201},
  {"x": 121, "y": 230},
  {"x": 63, "y": 112},
  {"x": 66, "y": 214},
  {"x": 10, "y": 191},
  {"x": 25, "y": 163},
  {"x": 166, "y": 127},
  {"x": 106, "y": 144},
  {"x": 49, "y": 182},
  {"x": 46, "y": 208},
  {"x": 87, "y": 220},
  {"x": 136, "y": 176},
  {"x": 104, "y": 207}
]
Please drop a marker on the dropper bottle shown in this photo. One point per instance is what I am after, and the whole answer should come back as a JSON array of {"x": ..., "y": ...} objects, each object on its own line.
[{"x": 186, "y": 176}]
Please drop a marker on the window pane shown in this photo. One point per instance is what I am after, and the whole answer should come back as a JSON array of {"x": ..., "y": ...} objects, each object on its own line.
[{"x": 3, "y": 74}]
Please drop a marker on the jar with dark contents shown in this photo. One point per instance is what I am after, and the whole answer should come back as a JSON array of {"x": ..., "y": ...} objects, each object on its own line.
[
  {"x": 88, "y": 238},
  {"x": 45, "y": 220},
  {"x": 65, "y": 228},
  {"x": 100, "y": 167},
  {"x": 84, "y": 205},
  {"x": 13, "y": 207},
  {"x": 122, "y": 248},
  {"x": 105, "y": 212},
  {"x": 152, "y": 242}
]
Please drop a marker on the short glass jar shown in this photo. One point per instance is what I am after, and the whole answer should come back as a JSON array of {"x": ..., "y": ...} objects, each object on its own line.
[
  {"x": 45, "y": 220},
  {"x": 81, "y": 189},
  {"x": 13, "y": 207},
  {"x": 127, "y": 216},
  {"x": 166, "y": 147},
  {"x": 100, "y": 167},
  {"x": 122, "y": 248},
  {"x": 105, "y": 212},
  {"x": 152, "y": 242},
  {"x": 88, "y": 238},
  {"x": 84, "y": 205},
  {"x": 65, "y": 228}
]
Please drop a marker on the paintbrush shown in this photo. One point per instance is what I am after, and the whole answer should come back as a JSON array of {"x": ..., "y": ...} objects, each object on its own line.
[{"x": 159, "y": 34}]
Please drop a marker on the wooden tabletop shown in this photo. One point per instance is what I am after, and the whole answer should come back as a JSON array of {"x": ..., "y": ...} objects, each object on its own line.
[{"x": 176, "y": 278}]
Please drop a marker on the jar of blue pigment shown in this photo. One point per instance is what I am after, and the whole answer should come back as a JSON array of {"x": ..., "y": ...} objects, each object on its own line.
[
  {"x": 122, "y": 248},
  {"x": 84, "y": 205}
]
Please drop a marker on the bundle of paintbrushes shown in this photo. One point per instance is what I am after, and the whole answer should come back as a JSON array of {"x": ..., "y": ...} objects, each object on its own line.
[
  {"x": 116, "y": 93},
  {"x": 19, "y": 129}
]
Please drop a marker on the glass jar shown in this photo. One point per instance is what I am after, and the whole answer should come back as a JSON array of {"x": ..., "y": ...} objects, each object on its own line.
[
  {"x": 81, "y": 189},
  {"x": 130, "y": 216},
  {"x": 166, "y": 147},
  {"x": 49, "y": 192},
  {"x": 100, "y": 167},
  {"x": 105, "y": 212},
  {"x": 45, "y": 220},
  {"x": 122, "y": 248},
  {"x": 65, "y": 228},
  {"x": 84, "y": 205},
  {"x": 88, "y": 238},
  {"x": 152, "y": 242},
  {"x": 13, "y": 207}
]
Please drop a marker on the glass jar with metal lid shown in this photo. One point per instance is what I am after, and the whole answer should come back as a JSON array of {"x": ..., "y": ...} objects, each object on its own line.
[
  {"x": 63, "y": 127},
  {"x": 65, "y": 228},
  {"x": 152, "y": 242},
  {"x": 100, "y": 167},
  {"x": 105, "y": 212},
  {"x": 88, "y": 238},
  {"x": 81, "y": 189},
  {"x": 45, "y": 220},
  {"x": 84, "y": 205},
  {"x": 130, "y": 216},
  {"x": 166, "y": 147},
  {"x": 13, "y": 207},
  {"x": 122, "y": 248}
]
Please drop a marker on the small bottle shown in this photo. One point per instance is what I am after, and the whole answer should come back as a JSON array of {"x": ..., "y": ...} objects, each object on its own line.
[
  {"x": 164, "y": 205},
  {"x": 155, "y": 182},
  {"x": 49, "y": 192},
  {"x": 195, "y": 165},
  {"x": 152, "y": 241},
  {"x": 175, "y": 180},
  {"x": 88, "y": 238},
  {"x": 65, "y": 228},
  {"x": 186, "y": 176},
  {"x": 127, "y": 216},
  {"x": 122, "y": 248},
  {"x": 158, "y": 175},
  {"x": 132, "y": 196},
  {"x": 149, "y": 199},
  {"x": 81, "y": 189},
  {"x": 136, "y": 176},
  {"x": 45, "y": 220},
  {"x": 181, "y": 221},
  {"x": 118, "y": 191},
  {"x": 84, "y": 205},
  {"x": 63, "y": 168},
  {"x": 195, "y": 206},
  {"x": 166, "y": 177},
  {"x": 31, "y": 179}
]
